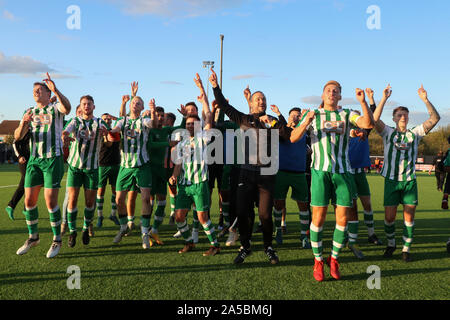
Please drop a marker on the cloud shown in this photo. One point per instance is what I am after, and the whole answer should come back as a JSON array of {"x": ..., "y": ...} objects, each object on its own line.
[
  {"x": 177, "y": 8},
  {"x": 60, "y": 76},
  {"x": 28, "y": 67},
  {"x": 8, "y": 16},
  {"x": 311, "y": 100},
  {"x": 419, "y": 117},
  {"x": 250, "y": 76},
  {"x": 171, "y": 82},
  {"x": 21, "y": 65}
]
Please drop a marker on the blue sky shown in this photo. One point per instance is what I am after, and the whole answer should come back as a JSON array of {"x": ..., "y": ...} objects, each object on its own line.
[{"x": 288, "y": 49}]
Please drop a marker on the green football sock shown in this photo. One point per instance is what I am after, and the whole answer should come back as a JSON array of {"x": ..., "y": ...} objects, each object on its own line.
[
  {"x": 304, "y": 224},
  {"x": 88, "y": 215},
  {"x": 316, "y": 241},
  {"x": 352, "y": 232},
  {"x": 389, "y": 229},
  {"x": 99, "y": 203},
  {"x": 31, "y": 216},
  {"x": 277, "y": 217},
  {"x": 338, "y": 240},
  {"x": 210, "y": 233},
  {"x": 159, "y": 215},
  {"x": 72, "y": 219},
  {"x": 408, "y": 230}
]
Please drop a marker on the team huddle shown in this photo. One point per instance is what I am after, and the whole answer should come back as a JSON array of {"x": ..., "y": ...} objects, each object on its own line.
[{"x": 142, "y": 152}]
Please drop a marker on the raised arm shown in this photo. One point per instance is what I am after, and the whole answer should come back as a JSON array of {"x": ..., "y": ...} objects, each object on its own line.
[
  {"x": 429, "y": 124},
  {"x": 234, "y": 115},
  {"x": 299, "y": 131},
  {"x": 203, "y": 99},
  {"x": 150, "y": 113},
  {"x": 123, "y": 106},
  {"x": 366, "y": 120},
  {"x": 248, "y": 95},
  {"x": 379, "y": 125},
  {"x": 65, "y": 103}
]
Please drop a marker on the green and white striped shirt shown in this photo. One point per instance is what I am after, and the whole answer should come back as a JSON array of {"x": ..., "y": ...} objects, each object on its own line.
[
  {"x": 85, "y": 149},
  {"x": 46, "y": 128},
  {"x": 194, "y": 168},
  {"x": 330, "y": 136},
  {"x": 134, "y": 132},
  {"x": 400, "y": 153}
]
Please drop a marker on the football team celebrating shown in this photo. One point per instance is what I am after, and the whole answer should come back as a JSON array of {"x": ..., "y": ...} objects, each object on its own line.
[{"x": 320, "y": 154}]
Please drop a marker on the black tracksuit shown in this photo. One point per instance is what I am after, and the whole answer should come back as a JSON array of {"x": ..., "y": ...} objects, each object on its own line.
[
  {"x": 21, "y": 149},
  {"x": 251, "y": 183}
]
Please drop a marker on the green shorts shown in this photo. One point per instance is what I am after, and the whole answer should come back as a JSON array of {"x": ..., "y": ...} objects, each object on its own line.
[
  {"x": 159, "y": 179},
  {"x": 361, "y": 184},
  {"x": 326, "y": 186},
  {"x": 400, "y": 192},
  {"x": 108, "y": 173},
  {"x": 297, "y": 181},
  {"x": 46, "y": 172},
  {"x": 197, "y": 194},
  {"x": 131, "y": 179},
  {"x": 77, "y": 178},
  {"x": 225, "y": 182}
]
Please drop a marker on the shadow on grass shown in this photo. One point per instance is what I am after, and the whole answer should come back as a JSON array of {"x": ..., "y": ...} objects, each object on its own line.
[{"x": 30, "y": 277}]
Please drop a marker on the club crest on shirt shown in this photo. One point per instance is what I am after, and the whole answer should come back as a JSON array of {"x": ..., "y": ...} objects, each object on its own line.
[
  {"x": 131, "y": 133},
  {"x": 402, "y": 146},
  {"x": 42, "y": 119},
  {"x": 86, "y": 134},
  {"x": 337, "y": 127}
]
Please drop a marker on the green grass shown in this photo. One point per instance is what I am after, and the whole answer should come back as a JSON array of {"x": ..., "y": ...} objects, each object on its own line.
[{"x": 126, "y": 271}]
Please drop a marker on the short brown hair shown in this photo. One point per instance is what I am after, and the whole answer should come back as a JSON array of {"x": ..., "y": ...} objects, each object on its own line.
[
  {"x": 42, "y": 85},
  {"x": 88, "y": 97},
  {"x": 191, "y": 104},
  {"x": 399, "y": 109},
  {"x": 333, "y": 82},
  {"x": 196, "y": 117}
]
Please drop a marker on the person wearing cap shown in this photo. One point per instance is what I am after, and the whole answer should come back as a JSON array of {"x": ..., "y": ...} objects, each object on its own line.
[{"x": 329, "y": 128}]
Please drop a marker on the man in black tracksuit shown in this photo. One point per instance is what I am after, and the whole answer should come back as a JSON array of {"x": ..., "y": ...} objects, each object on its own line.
[
  {"x": 252, "y": 180},
  {"x": 22, "y": 151}
]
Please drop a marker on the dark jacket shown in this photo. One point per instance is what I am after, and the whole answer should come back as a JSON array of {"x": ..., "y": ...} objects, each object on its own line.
[{"x": 251, "y": 121}]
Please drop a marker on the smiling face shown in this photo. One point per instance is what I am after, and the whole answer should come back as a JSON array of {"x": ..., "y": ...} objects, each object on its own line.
[
  {"x": 258, "y": 103},
  {"x": 331, "y": 95},
  {"x": 41, "y": 94},
  {"x": 401, "y": 118},
  {"x": 191, "y": 109}
]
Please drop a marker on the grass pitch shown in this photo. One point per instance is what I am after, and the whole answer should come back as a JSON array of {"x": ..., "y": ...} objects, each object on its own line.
[{"x": 126, "y": 271}]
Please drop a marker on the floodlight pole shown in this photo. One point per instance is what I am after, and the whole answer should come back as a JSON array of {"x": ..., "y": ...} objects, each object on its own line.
[
  {"x": 207, "y": 64},
  {"x": 221, "y": 59}
]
